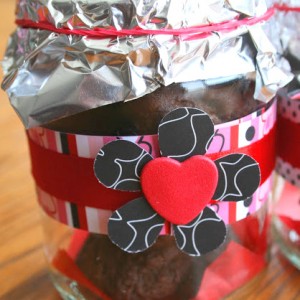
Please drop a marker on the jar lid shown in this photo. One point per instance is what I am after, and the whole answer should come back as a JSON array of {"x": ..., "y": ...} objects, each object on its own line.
[{"x": 54, "y": 72}]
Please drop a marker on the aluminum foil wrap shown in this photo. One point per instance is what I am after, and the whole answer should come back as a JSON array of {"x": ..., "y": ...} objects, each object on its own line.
[
  {"x": 51, "y": 76},
  {"x": 288, "y": 24}
]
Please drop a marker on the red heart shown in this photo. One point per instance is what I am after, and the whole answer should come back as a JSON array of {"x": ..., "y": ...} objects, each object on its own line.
[{"x": 179, "y": 191}]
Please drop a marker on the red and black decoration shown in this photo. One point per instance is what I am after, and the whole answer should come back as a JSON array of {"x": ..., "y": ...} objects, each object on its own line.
[{"x": 177, "y": 187}]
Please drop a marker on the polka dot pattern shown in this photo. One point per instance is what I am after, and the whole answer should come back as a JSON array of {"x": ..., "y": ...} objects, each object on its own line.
[
  {"x": 248, "y": 201},
  {"x": 250, "y": 133},
  {"x": 288, "y": 172},
  {"x": 289, "y": 107}
]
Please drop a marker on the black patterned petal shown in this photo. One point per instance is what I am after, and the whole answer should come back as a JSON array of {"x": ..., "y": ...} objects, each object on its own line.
[
  {"x": 135, "y": 226},
  {"x": 202, "y": 235},
  {"x": 239, "y": 177},
  {"x": 185, "y": 132},
  {"x": 118, "y": 165}
]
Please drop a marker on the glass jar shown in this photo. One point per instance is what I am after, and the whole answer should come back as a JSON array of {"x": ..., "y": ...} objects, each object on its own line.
[
  {"x": 91, "y": 77},
  {"x": 89, "y": 266},
  {"x": 286, "y": 224},
  {"x": 286, "y": 219}
]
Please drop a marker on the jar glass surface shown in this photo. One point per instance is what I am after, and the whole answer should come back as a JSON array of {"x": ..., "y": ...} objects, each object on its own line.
[
  {"x": 285, "y": 220},
  {"x": 89, "y": 266},
  {"x": 286, "y": 208}
]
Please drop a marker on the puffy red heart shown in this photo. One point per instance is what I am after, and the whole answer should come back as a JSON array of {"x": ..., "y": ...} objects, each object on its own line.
[{"x": 179, "y": 191}]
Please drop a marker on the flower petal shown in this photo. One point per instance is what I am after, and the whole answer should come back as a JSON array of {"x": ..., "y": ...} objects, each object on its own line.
[
  {"x": 118, "y": 165},
  {"x": 135, "y": 226},
  {"x": 239, "y": 177},
  {"x": 185, "y": 132},
  {"x": 202, "y": 235}
]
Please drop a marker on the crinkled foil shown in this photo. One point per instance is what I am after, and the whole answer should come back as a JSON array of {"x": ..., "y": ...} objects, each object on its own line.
[
  {"x": 51, "y": 76},
  {"x": 284, "y": 28},
  {"x": 127, "y": 14}
]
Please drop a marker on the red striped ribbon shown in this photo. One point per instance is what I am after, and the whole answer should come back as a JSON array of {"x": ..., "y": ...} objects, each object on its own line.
[{"x": 72, "y": 178}]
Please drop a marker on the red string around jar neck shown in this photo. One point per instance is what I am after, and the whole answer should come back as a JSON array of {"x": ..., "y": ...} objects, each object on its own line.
[
  {"x": 286, "y": 8},
  {"x": 193, "y": 32}
]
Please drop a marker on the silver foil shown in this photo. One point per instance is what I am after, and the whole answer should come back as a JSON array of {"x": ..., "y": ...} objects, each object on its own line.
[
  {"x": 127, "y": 14},
  {"x": 284, "y": 28},
  {"x": 51, "y": 76}
]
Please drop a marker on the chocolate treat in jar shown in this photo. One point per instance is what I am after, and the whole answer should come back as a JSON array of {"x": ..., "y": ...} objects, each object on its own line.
[
  {"x": 159, "y": 273},
  {"x": 224, "y": 100},
  {"x": 151, "y": 136}
]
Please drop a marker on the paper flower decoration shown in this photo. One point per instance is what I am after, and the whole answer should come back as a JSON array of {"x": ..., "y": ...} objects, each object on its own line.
[{"x": 177, "y": 187}]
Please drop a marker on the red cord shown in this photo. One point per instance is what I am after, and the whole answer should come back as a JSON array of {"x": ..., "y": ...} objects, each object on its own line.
[{"x": 196, "y": 31}]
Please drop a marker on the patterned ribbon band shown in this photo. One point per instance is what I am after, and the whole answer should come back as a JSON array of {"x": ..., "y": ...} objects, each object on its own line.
[
  {"x": 62, "y": 165},
  {"x": 288, "y": 160},
  {"x": 95, "y": 220}
]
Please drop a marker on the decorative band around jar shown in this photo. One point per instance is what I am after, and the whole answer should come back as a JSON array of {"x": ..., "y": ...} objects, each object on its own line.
[
  {"x": 288, "y": 146},
  {"x": 62, "y": 166},
  {"x": 95, "y": 219}
]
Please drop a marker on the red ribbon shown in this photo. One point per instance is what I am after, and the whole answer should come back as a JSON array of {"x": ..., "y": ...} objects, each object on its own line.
[
  {"x": 72, "y": 178},
  {"x": 111, "y": 31},
  {"x": 288, "y": 147},
  {"x": 67, "y": 266},
  {"x": 236, "y": 266}
]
